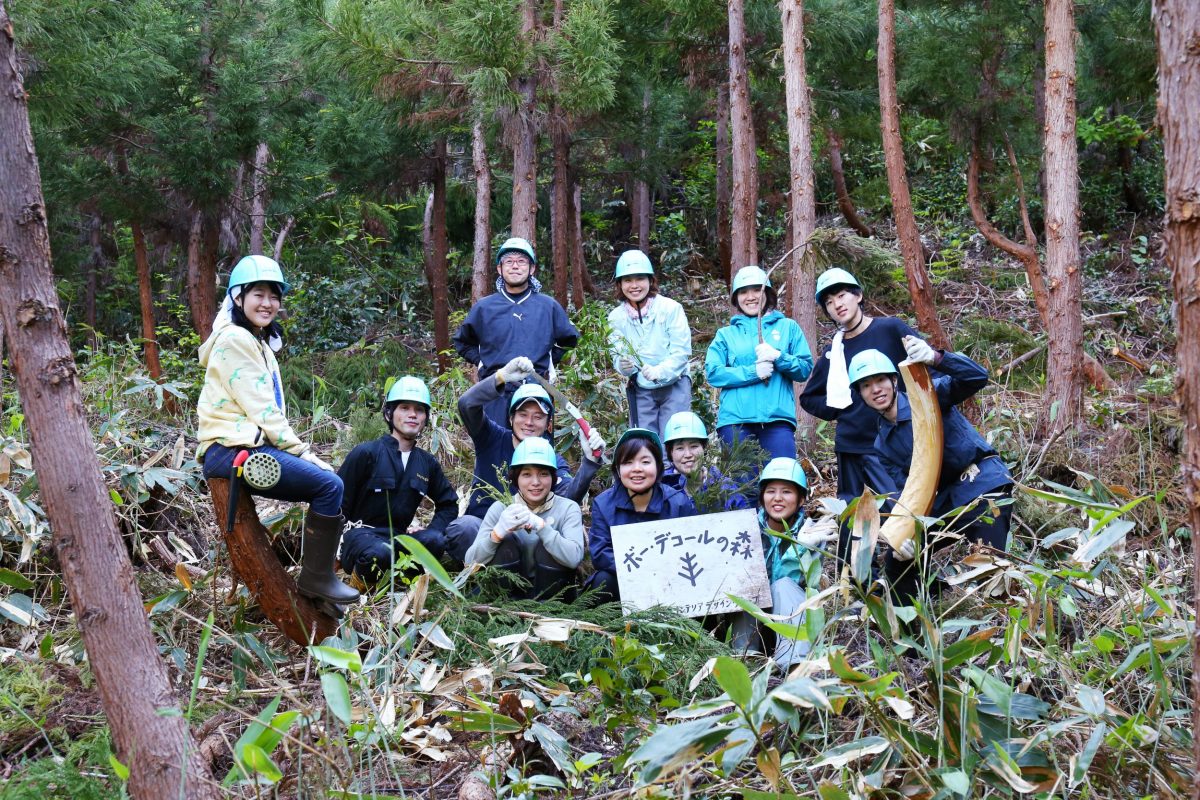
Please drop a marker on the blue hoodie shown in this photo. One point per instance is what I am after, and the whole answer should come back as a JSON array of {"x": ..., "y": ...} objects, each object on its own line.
[{"x": 730, "y": 366}]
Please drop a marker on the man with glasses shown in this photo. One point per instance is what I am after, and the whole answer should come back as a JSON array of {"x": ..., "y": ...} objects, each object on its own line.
[{"x": 518, "y": 320}]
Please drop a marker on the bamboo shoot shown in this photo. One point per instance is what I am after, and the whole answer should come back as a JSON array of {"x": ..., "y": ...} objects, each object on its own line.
[{"x": 925, "y": 470}]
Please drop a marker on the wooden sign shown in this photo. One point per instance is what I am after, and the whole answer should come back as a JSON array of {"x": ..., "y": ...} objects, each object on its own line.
[{"x": 692, "y": 563}]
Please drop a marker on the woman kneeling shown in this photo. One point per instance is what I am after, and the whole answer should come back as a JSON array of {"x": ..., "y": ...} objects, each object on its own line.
[{"x": 539, "y": 535}]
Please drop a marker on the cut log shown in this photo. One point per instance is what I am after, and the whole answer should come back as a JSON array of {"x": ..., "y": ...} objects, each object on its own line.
[
  {"x": 300, "y": 618},
  {"x": 925, "y": 470}
]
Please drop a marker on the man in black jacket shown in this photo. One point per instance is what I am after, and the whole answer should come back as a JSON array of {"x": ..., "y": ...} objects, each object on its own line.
[{"x": 385, "y": 481}]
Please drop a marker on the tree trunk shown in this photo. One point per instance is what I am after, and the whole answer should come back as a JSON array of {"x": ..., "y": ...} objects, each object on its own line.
[
  {"x": 560, "y": 201},
  {"x": 1064, "y": 331},
  {"x": 844, "y": 201},
  {"x": 575, "y": 242},
  {"x": 201, "y": 285},
  {"x": 1177, "y": 23},
  {"x": 482, "y": 271},
  {"x": 146, "y": 302},
  {"x": 802, "y": 184},
  {"x": 644, "y": 222},
  {"x": 258, "y": 200},
  {"x": 911, "y": 249},
  {"x": 581, "y": 271},
  {"x": 744, "y": 238},
  {"x": 724, "y": 183},
  {"x": 524, "y": 141},
  {"x": 150, "y": 734},
  {"x": 91, "y": 272},
  {"x": 436, "y": 250}
]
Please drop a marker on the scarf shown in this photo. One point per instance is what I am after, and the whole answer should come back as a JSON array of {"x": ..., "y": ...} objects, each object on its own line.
[
  {"x": 534, "y": 284},
  {"x": 225, "y": 317},
  {"x": 540, "y": 510}
]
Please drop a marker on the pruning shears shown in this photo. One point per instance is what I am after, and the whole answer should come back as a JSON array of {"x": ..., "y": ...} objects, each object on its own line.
[
  {"x": 571, "y": 408},
  {"x": 235, "y": 473},
  {"x": 259, "y": 471}
]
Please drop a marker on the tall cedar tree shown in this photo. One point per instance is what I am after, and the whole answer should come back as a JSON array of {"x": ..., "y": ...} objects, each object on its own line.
[
  {"x": 1177, "y": 23},
  {"x": 150, "y": 735},
  {"x": 919, "y": 286},
  {"x": 1064, "y": 376},
  {"x": 743, "y": 214}
]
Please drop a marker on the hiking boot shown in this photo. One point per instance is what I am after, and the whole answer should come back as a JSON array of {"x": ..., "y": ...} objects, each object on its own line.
[{"x": 321, "y": 537}]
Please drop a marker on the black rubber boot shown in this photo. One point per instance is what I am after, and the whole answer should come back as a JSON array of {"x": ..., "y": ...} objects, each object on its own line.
[{"x": 321, "y": 537}]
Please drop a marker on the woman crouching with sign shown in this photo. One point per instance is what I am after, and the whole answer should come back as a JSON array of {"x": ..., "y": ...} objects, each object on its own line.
[
  {"x": 791, "y": 546},
  {"x": 637, "y": 495},
  {"x": 973, "y": 477},
  {"x": 539, "y": 535}
]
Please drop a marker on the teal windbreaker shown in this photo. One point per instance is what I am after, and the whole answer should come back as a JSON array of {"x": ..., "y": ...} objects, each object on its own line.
[{"x": 729, "y": 366}]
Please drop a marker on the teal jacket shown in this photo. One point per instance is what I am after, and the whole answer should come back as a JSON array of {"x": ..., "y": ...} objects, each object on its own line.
[
  {"x": 729, "y": 366},
  {"x": 788, "y": 560}
]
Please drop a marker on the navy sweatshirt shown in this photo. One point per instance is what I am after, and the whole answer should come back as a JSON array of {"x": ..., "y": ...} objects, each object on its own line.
[
  {"x": 856, "y": 424},
  {"x": 501, "y": 327}
]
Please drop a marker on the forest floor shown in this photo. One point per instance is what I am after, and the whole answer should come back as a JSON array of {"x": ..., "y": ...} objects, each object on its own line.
[{"x": 1058, "y": 669}]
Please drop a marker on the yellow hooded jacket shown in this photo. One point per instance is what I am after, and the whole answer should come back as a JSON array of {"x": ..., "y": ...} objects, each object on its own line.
[{"x": 241, "y": 404}]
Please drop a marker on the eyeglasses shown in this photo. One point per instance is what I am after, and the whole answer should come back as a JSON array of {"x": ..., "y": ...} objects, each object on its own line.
[{"x": 514, "y": 261}]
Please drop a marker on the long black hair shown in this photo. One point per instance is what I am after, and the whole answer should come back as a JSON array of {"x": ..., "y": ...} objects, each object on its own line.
[{"x": 239, "y": 316}]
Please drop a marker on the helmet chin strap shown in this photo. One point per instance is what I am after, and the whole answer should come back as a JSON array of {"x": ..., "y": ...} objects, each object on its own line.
[
  {"x": 857, "y": 325},
  {"x": 891, "y": 405}
]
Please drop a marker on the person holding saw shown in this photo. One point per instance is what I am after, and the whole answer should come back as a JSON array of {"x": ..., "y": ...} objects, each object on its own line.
[
  {"x": 241, "y": 408},
  {"x": 530, "y": 415}
]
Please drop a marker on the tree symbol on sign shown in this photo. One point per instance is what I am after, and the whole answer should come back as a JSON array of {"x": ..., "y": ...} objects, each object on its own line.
[{"x": 691, "y": 570}]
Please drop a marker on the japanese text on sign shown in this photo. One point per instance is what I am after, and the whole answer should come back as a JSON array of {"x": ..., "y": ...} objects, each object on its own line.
[{"x": 692, "y": 563}]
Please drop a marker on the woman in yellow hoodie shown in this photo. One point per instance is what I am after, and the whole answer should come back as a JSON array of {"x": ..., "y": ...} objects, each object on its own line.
[{"x": 241, "y": 408}]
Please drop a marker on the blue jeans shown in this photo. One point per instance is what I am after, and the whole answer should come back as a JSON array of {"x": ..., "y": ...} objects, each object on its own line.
[
  {"x": 300, "y": 481},
  {"x": 777, "y": 438}
]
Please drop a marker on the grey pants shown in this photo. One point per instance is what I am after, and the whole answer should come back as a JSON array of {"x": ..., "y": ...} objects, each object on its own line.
[
  {"x": 460, "y": 535},
  {"x": 786, "y": 597},
  {"x": 651, "y": 408}
]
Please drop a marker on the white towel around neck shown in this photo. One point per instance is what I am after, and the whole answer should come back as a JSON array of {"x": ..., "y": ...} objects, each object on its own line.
[{"x": 837, "y": 386}]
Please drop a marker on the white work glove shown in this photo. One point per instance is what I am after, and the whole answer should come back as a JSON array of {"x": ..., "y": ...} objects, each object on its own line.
[
  {"x": 918, "y": 350},
  {"x": 816, "y": 532},
  {"x": 590, "y": 443},
  {"x": 535, "y": 522},
  {"x": 516, "y": 370},
  {"x": 626, "y": 365},
  {"x": 764, "y": 352},
  {"x": 764, "y": 369},
  {"x": 652, "y": 373},
  {"x": 311, "y": 457},
  {"x": 906, "y": 551},
  {"x": 513, "y": 517}
]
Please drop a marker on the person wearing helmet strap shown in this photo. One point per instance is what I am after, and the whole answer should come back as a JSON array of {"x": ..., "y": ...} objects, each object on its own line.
[
  {"x": 518, "y": 320},
  {"x": 973, "y": 476},
  {"x": 827, "y": 394},
  {"x": 651, "y": 342},
  {"x": 241, "y": 407},
  {"x": 530, "y": 415},
  {"x": 386, "y": 480},
  {"x": 792, "y": 546},
  {"x": 538, "y": 535},
  {"x": 686, "y": 439},
  {"x": 637, "y": 495},
  {"x": 754, "y": 360}
]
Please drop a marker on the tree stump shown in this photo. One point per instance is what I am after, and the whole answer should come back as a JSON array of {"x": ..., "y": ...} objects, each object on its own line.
[{"x": 300, "y": 618}]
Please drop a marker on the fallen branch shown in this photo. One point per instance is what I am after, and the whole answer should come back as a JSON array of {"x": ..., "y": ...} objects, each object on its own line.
[
  {"x": 1128, "y": 359},
  {"x": 1019, "y": 360}
]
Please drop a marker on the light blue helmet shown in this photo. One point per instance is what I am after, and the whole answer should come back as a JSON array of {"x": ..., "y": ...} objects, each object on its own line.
[
  {"x": 252, "y": 269},
  {"x": 409, "y": 389},
  {"x": 633, "y": 262},
  {"x": 748, "y": 276},
  {"x": 684, "y": 425},
  {"x": 868, "y": 363},
  {"x": 516, "y": 245},
  {"x": 784, "y": 469},
  {"x": 530, "y": 391},
  {"x": 534, "y": 452},
  {"x": 833, "y": 278}
]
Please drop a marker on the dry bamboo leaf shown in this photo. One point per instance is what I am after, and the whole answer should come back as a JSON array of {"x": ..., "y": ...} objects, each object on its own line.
[{"x": 182, "y": 574}]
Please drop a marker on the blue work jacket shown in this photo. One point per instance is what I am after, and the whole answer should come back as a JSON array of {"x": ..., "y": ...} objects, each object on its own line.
[
  {"x": 963, "y": 446},
  {"x": 613, "y": 506}
]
